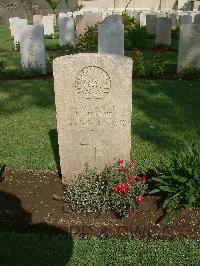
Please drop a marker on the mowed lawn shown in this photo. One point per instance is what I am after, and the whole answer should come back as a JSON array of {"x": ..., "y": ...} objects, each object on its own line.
[
  {"x": 165, "y": 115},
  {"x": 37, "y": 249}
]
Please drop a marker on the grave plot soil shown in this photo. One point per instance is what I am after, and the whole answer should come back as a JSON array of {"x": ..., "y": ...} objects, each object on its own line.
[{"x": 32, "y": 201}]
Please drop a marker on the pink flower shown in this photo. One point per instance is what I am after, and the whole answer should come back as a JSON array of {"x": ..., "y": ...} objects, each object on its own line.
[
  {"x": 129, "y": 176},
  {"x": 123, "y": 169},
  {"x": 131, "y": 213},
  {"x": 120, "y": 161},
  {"x": 135, "y": 49},
  {"x": 139, "y": 198}
]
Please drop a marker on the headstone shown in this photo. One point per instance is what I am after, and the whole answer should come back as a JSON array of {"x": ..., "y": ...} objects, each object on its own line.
[
  {"x": 32, "y": 48},
  {"x": 93, "y": 95},
  {"x": 197, "y": 19},
  {"x": 186, "y": 19},
  {"x": 143, "y": 19},
  {"x": 37, "y": 19},
  {"x": 18, "y": 26},
  {"x": 81, "y": 26},
  {"x": 62, "y": 15},
  {"x": 48, "y": 23},
  {"x": 66, "y": 31},
  {"x": 151, "y": 24},
  {"x": 173, "y": 17},
  {"x": 163, "y": 31},
  {"x": 189, "y": 46},
  {"x": 12, "y": 23},
  {"x": 54, "y": 18},
  {"x": 111, "y": 38},
  {"x": 92, "y": 19},
  {"x": 113, "y": 19}
]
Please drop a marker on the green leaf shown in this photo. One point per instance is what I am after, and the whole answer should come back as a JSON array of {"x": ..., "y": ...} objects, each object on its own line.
[{"x": 154, "y": 191}]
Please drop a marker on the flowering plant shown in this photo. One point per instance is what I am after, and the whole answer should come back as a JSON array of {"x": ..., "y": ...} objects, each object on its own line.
[
  {"x": 139, "y": 66},
  {"x": 119, "y": 188},
  {"x": 128, "y": 187}
]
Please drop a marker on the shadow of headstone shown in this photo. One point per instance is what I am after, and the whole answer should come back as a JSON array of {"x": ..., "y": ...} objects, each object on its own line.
[
  {"x": 15, "y": 223},
  {"x": 53, "y": 135}
]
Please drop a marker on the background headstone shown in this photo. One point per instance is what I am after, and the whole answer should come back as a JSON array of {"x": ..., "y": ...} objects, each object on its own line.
[
  {"x": 48, "y": 23},
  {"x": 37, "y": 19},
  {"x": 186, "y": 19},
  {"x": 12, "y": 23},
  {"x": 93, "y": 95},
  {"x": 81, "y": 26},
  {"x": 18, "y": 27},
  {"x": 151, "y": 24},
  {"x": 189, "y": 46},
  {"x": 163, "y": 31},
  {"x": 111, "y": 38},
  {"x": 66, "y": 31},
  {"x": 32, "y": 48}
]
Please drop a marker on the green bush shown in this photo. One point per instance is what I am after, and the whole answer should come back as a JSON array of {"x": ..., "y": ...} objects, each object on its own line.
[
  {"x": 88, "y": 41},
  {"x": 157, "y": 65},
  {"x": 176, "y": 33},
  {"x": 2, "y": 66},
  {"x": 189, "y": 73},
  {"x": 119, "y": 188},
  {"x": 129, "y": 23},
  {"x": 179, "y": 181},
  {"x": 138, "y": 36}
]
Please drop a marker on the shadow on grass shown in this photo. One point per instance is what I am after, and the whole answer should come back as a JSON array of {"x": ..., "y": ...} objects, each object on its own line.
[
  {"x": 53, "y": 135},
  {"x": 26, "y": 243},
  {"x": 167, "y": 112}
]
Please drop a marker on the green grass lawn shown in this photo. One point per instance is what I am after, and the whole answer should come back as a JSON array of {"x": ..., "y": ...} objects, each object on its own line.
[
  {"x": 165, "y": 115},
  {"x": 37, "y": 249}
]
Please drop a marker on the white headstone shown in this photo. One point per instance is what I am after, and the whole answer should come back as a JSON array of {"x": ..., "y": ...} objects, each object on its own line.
[
  {"x": 186, "y": 19},
  {"x": 32, "y": 48},
  {"x": 66, "y": 31},
  {"x": 163, "y": 31},
  {"x": 48, "y": 23},
  {"x": 12, "y": 22},
  {"x": 18, "y": 27},
  {"x": 37, "y": 19},
  {"x": 189, "y": 46},
  {"x": 111, "y": 38}
]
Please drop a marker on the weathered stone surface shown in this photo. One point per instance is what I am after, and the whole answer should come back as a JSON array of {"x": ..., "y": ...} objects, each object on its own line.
[
  {"x": 189, "y": 46},
  {"x": 18, "y": 26},
  {"x": 113, "y": 19},
  {"x": 37, "y": 19},
  {"x": 163, "y": 31},
  {"x": 81, "y": 26},
  {"x": 93, "y": 95},
  {"x": 186, "y": 19},
  {"x": 48, "y": 23},
  {"x": 111, "y": 38},
  {"x": 32, "y": 47},
  {"x": 66, "y": 31},
  {"x": 151, "y": 24},
  {"x": 12, "y": 23}
]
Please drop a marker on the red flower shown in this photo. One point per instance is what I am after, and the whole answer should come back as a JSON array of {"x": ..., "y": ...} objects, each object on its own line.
[
  {"x": 120, "y": 161},
  {"x": 116, "y": 189},
  {"x": 143, "y": 178},
  {"x": 135, "y": 58},
  {"x": 123, "y": 169},
  {"x": 165, "y": 49},
  {"x": 135, "y": 49},
  {"x": 129, "y": 176},
  {"x": 133, "y": 182},
  {"x": 131, "y": 213},
  {"x": 139, "y": 198}
]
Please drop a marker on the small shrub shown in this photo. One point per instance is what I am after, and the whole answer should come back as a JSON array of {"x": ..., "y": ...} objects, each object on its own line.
[
  {"x": 2, "y": 66},
  {"x": 189, "y": 73},
  {"x": 17, "y": 46},
  {"x": 157, "y": 65},
  {"x": 88, "y": 41},
  {"x": 140, "y": 68},
  {"x": 179, "y": 182},
  {"x": 138, "y": 36},
  {"x": 129, "y": 23},
  {"x": 120, "y": 187}
]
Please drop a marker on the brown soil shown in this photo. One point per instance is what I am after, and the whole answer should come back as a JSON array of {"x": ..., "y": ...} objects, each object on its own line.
[{"x": 31, "y": 200}]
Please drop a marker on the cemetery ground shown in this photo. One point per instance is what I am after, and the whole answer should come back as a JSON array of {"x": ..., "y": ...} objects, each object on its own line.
[{"x": 165, "y": 115}]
